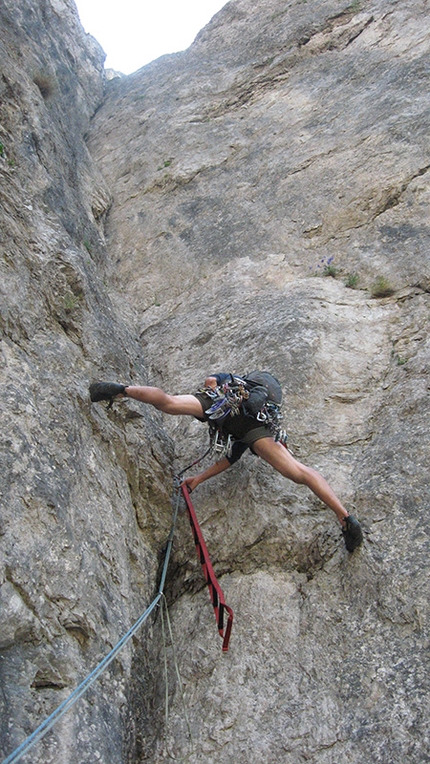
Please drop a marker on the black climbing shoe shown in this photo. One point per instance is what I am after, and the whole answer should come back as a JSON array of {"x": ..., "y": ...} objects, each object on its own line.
[
  {"x": 105, "y": 391},
  {"x": 352, "y": 533}
]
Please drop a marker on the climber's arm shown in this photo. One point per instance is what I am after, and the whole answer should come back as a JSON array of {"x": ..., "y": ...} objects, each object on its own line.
[{"x": 214, "y": 469}]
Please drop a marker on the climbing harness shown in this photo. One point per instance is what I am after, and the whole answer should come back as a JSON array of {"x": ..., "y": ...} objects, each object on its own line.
[{"x": 215, "y": 592}]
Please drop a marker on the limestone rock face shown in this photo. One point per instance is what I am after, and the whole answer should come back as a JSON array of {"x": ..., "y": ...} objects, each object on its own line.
[
  {"x": 75, "y": 570},
  {"x": 259, "y": 201},
  {"x": 335, "y": 166}
]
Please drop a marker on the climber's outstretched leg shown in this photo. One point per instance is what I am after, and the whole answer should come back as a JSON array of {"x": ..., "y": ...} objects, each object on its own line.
[{"x": 170, "y": 404}]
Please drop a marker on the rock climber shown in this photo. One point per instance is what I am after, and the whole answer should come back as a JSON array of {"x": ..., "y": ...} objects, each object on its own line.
[{"x": 245, "y": 412}]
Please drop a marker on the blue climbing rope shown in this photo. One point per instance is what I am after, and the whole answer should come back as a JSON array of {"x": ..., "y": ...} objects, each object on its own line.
[{"x": 43, "y": 728}]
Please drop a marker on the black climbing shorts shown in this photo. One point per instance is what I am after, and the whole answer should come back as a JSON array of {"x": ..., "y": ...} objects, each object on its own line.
[{"x": 240, "y": 426}]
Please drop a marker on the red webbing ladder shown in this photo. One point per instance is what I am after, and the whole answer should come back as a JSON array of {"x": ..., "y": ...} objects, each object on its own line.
[{"x": 215, "y": 592}]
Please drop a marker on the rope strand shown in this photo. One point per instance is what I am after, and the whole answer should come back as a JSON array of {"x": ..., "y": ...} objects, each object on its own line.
[
  {"x": 176, "y": 664},
  {"x": 164, "y": 607},
  {"x": 43, "y": 728}
]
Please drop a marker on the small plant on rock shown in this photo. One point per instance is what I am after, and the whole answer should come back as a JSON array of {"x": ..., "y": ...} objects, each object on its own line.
[
  {"x": 330, "y": 270},
  {"x": 355, "y": 7},
  {"x": 70, "y": 301},
  {"x": 326, "y": 267},
  {"x": 352, "y": 280},
  {"x": 166, "y": 163},
  {"x": 381, "y": 288}
]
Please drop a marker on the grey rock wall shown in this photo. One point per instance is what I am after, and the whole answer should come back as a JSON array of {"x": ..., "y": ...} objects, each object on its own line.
[
  {"x": 75, "y": 570},
  {"x": 289, "y": 138},
  {"x": 176, "y": 222}
]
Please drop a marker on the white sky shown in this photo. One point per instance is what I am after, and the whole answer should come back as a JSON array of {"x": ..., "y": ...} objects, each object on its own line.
[{"x": 134, "y": 32}]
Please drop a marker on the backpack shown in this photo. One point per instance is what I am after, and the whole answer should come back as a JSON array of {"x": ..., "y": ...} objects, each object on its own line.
[{"x": 264, "y": 390}]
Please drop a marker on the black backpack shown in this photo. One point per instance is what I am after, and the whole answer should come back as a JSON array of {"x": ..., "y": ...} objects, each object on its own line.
[{"x": 264, "y": 391}]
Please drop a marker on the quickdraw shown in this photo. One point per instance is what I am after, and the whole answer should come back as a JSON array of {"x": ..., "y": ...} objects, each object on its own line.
[
  {"x": 227, "y": 398},
  {"x": 221, "y": 444}
]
